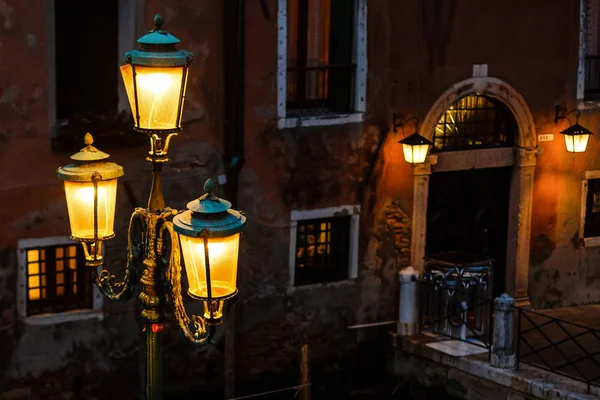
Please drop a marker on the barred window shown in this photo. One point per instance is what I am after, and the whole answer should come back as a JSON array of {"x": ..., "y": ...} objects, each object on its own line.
[
  {"x": 322, "y": 250},
  {"x": 591, "y": 20},
  {"x": 57, "y": 279},
  {"x": 474, "y": 122},
  {"x": 321, "y": 59}
]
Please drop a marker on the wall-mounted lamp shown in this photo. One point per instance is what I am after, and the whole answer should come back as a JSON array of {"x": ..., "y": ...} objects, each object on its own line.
[
  {"x": 415, "y": 146},
  {"x": 576, "y": 136}
]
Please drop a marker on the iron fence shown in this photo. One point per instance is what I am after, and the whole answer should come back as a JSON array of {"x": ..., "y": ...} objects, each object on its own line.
[
  {"x": 562, "y": 347},
  {"x": 457, "y": 311},
  {"x": 321, "y": 89},
  {"x": 592, "y": 78}
]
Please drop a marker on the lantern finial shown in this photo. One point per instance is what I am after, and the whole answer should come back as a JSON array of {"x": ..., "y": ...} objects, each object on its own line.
[
  {"x": 209, "y": 186},
  {"x": 158, "y": 21},
  {"x": 88, "y": 139}
]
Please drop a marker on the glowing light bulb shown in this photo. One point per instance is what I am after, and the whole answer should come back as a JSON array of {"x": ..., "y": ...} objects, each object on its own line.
[{"x": 158, "y": 82}]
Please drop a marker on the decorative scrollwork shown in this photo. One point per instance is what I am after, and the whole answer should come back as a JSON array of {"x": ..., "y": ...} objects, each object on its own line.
[
  {"x": 194, "y": 328},
  {"x": 106, "y": 281}
]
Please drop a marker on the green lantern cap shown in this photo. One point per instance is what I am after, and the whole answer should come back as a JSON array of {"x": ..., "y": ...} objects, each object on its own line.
[
  {"x": 88, "y": 161},
  {"x": 158, "y": 49},
  {"x": 210, "y": 216}
]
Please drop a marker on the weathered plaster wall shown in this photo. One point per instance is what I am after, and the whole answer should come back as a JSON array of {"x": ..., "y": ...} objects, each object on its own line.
[
  {"x": 83, "y": 356},
  {"x": 532, "y": 46}
]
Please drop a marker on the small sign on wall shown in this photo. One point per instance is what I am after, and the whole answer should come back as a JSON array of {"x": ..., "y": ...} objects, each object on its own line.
[{"x": 546, "y": 138}]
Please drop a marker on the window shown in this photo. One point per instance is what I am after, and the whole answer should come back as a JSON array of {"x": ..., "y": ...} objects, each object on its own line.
[
  {"x": 474, "y": 122},
  {"x": 86, "y": 43},
  {"x": 322, "y": 61},
  {"x": 589, "y": 65},
  {"x": 589, "y": 231},
  {"x": 324, "y": 245},
  {"x": 53, "y": 278}
]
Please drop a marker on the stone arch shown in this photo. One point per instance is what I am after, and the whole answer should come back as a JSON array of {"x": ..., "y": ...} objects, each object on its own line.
[
  {"x": 491, "y": 87},
  {"x": 522, "y": 156}
]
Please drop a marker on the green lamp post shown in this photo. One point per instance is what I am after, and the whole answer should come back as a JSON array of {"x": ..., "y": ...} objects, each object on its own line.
[{"x": 155, "y": 79}]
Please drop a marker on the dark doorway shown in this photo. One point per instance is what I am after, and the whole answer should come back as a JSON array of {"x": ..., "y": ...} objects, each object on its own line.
[{"x": 467, "y": 211}]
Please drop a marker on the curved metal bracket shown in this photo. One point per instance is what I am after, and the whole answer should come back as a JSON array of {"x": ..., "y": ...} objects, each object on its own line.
[
  {"x": 560, "y": 112},
  {"x": 195, "y": 328},
  {"x": 106, "y": 281},
  {"x": 398, "y": 121}
]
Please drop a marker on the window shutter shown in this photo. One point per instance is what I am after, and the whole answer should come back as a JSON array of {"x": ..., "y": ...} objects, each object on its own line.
[
  {"x": 340, "y": 54},
  {"x": 592, "y": 19}
]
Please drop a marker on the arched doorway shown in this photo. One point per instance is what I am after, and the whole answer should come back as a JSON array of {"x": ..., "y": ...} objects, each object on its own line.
[
  {"x": 467, "y": 209},
  {"x": 516, "y": 154}
]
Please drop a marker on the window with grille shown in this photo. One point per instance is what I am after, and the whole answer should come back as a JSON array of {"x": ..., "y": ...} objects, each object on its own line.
[
  {"x": 56, "y": 279},
  {"x": 591, "y": 49},
  {"x": 322, "y": 250},
  {"x": 474, "y": 122},
  {"x": 320, "y": 66}
]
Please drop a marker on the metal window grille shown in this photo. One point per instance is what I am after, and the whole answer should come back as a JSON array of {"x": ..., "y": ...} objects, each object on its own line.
[
  {"x": 592, "y": 49},
  {"x": 321, "y": 71},
  {"x": 322, "y": 250},
  {"x": 474, "y": 122},
  {"x": 57, "y": 279}
]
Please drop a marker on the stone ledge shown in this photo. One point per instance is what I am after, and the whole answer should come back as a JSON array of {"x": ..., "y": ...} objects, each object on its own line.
[{"x": 527, "y": 380}]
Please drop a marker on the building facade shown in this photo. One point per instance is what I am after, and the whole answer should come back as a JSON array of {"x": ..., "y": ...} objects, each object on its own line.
[{"x": 290, "y": 108}]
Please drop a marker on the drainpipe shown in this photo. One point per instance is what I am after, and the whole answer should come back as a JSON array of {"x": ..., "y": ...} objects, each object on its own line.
[
  {"x": 233, "y": 147},
  {"x": 234, "y": 85}
]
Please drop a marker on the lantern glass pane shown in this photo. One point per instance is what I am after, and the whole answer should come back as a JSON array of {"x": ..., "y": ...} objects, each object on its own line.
[
  {"x": 223, "y": 257},
  {"x": 159, "y": 90},
  {"x": 576, "y": 143},
  {"x": 415, "y": 154},
  {"x": 80, "y": 204}
]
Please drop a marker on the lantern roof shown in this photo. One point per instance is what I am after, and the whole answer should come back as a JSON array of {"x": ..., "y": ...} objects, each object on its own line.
[
  {"x": 89, "y": 161},
  {"x": 576, "y": 129},
  {"x": 158, "y": 36},
  {"x": 209, "y": 216},
  {"x": 415, "y": 140},
  {"x": 158, "y": 49}
]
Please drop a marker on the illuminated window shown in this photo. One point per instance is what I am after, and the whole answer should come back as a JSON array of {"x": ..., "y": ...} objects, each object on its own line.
[
  {"x": 56, "y": 279},
  {"x": 324, "y": 245},
  {"x": 474, "y": 122},
  {"x": 322, "y": 250}
]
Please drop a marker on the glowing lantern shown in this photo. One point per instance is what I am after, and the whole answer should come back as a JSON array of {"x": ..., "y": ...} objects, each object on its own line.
[
  {"x": 209, "y": 233},
  {"x": 91, "y": 189},
  {"x": 155, "y": 80},
  {"x": 576, "y": 138},
  {"x": 415, "y": 148}
]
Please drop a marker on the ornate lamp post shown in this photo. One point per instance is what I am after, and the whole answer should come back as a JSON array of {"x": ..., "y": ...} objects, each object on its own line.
[{"x": 155, "y": 78}]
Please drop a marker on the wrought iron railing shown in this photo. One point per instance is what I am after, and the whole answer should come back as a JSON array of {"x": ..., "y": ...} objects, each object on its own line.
[
  {"x": 592, "y": 78},
  {"x": 320, "y": 90},
  {"x": 563, "y": 347},
  {"x": 457, "y": 311}
]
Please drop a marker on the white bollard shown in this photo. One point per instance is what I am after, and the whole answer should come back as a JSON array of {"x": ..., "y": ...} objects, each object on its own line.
[{"x": 408, "y": 323}]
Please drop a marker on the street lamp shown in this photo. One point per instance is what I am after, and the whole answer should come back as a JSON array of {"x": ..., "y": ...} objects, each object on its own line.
[
  {"x": 415, "y": 147},
  {"x": 576, "y": 136},
  {"x": 208, "y": 231}
]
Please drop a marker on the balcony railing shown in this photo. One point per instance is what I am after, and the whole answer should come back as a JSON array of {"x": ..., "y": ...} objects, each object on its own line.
[
  {"x": 592, "y": 78},
  {"x": 320, "y": 90}
]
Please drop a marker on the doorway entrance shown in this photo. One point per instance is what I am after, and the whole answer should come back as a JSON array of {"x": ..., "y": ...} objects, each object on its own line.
[
  {"x": 467, "y": 212},
  {"x": 458, "y": 147}
]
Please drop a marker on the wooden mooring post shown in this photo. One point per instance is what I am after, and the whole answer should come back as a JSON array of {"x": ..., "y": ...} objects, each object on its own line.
[{"x": 304, "y": 373}]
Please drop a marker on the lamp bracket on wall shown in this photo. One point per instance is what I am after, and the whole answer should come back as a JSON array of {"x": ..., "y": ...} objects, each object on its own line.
[
  {"x": 562, "y": 113},
  {"x": 399, "y": 121}
]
